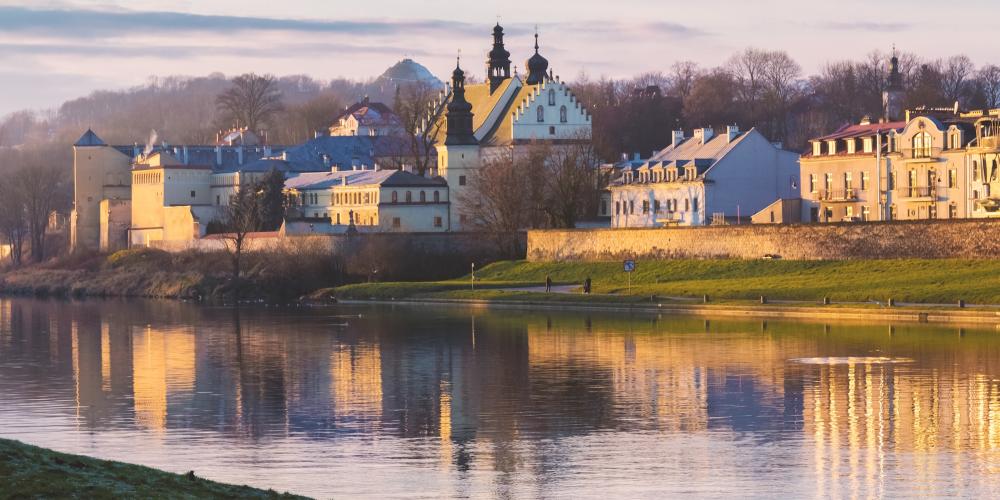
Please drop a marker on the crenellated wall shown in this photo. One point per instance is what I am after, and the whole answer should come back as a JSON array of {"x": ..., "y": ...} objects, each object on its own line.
[{"x": 962, "y": 239}]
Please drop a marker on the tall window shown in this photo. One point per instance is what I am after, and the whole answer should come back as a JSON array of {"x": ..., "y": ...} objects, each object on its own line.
[
  {"x": 953, "y": 178},
  {"x": 812, "y": 183},
  {"x": 562, "y": 115},
  {"x": 922, "y": 145},
  {"x": 541, "y": 114},
  {"x": 409, "y": 197},
  {"x": 395, "y": 197},
  {"x": 828, "y": 184},
  {"x": 552, "y": 97},
  {"x": 864, "y": 180},
  {"x": 423, "y": 197},
  {"x": 437, "y": 196}
]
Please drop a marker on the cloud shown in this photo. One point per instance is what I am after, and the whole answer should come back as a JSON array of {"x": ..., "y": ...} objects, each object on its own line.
[
  {"x": 8, "y": 50},
  {"x": 872, "y": 26},
  {"x": 87, "y": 23}
]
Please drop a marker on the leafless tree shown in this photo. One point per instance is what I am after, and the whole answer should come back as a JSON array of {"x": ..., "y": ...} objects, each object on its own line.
[
  {"x": 13, "y": 222},
  {"x": 570, "y": 177},
  {"x": 252, "y": 101},
  {"x": 499, "y": 200},
  {"x": 989, "y": 83},
  {"x": 416, "y": 104},
  {"x": 42, "y": 191},
  {"x": 240, "y": 218}
]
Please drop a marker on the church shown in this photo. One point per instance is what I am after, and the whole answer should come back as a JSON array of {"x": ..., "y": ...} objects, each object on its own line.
[
  {"x": 167, "y": 195},
  {"x": 505, "y": 112}
]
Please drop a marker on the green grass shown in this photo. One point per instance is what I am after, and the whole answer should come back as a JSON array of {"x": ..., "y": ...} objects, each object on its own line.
[
  {"x": 911, "y": 280},
  {"x": 31, "y": 472}
]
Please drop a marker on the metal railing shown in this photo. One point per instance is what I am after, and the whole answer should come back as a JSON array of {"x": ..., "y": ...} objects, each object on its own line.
[
  {"x": 913, "y": 192},
  {"x": 849, "y": 194}
]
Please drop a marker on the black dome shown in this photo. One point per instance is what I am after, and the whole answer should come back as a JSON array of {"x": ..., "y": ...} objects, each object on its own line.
[{"x": 537, "y": 66}]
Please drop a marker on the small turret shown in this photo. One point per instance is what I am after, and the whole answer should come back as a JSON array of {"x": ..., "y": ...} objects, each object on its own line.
[
  {"x": 498, "y": 63},
  {"x": 892, "y": 97},
  {"x": 459, "y": 115},
  {"x": 537, "y": 65}
]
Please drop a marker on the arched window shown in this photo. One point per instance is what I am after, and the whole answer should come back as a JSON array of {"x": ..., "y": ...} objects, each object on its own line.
[
  {"x": 409, "y": 197},
  {"x": 437, "y": 196},
  {"x": 395, "y": 197},
  {"x": 541, "y": 114},
  {"x": 552, "y": 97},
  {"x": 562, "y": 115},
  {"x": 423, "y": 197},
  {"x": 922, "y": 145}
]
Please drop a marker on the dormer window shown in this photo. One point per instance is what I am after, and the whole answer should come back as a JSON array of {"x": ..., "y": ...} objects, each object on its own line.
[
  {"x": 817, "y": 148},
  {"x": 831, "y": 147},
  {"x": 868, "y": 145},
  {"x": 851, "y": 145}
]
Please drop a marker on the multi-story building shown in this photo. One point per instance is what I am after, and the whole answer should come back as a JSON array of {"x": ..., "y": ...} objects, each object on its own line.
[
  {"x": 367, "y": 118},
  {"x": 372, "y": 200},
  {"x": 704, "y": 179}
]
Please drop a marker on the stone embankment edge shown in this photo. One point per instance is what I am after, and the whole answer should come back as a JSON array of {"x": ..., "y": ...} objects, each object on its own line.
[{"x": 908, "y": 314}]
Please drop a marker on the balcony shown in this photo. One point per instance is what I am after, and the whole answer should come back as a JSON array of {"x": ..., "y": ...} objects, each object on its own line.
[
  {"x": 914, "y": 192},
  {"x": 849, "y": 194},
  {"x": 923, "y": 154}
]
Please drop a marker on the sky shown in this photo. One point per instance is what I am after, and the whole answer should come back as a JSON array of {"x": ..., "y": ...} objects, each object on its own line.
[{"x": 54, "y": 50}]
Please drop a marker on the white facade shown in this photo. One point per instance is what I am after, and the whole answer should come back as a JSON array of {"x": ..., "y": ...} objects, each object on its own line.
[{"x": 705, "y": 179}]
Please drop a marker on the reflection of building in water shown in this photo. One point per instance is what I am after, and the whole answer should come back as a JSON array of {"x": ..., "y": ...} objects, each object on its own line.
[
  {"x": 860, "y": 417},
  {"x": 163, "y": 364},
  {"x": 356, "y": 383}
]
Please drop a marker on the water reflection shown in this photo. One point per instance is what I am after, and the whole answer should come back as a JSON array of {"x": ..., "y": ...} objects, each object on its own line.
[{"x": 509, "y": 404}]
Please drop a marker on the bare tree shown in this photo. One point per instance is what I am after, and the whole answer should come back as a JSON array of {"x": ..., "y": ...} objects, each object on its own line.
[
  {"x": 571, "y": 184},
  {"x": 240, "y": 218},
  {"x": 956, "y": 75},
  {"x": 417, "y": 105},
  {"x": 41, "y": 188},
  {"x": 989, "y": 83},
  {"x": 499, "y": 200},
  {"x": 13, "y": 223},
  {"x": 252, "y": 101}
]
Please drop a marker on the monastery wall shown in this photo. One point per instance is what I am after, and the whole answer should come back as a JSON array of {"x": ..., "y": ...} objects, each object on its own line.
[{"x": 965, "y": 239}]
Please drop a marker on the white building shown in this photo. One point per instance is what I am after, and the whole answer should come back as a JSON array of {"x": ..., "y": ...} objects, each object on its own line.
[{"x": 705, "y": 179}]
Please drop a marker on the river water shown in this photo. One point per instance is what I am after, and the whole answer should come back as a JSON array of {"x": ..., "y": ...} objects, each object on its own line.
[{"x": 425, "y": 402}]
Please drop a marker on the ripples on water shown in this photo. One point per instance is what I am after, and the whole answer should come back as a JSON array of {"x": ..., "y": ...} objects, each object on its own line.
[{"x": 426, "y": 402}]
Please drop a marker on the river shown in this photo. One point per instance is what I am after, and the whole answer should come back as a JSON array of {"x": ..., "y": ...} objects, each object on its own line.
[{"x": 433, "y": 402}]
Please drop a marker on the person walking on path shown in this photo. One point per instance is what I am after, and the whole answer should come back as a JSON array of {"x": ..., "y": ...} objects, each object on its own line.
[
  {"x": 586, "y": 285},
  {"x": 548, "y": 283}
]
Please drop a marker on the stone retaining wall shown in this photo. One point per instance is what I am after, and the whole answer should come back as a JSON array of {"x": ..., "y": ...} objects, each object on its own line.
[{"x": 964, "y": 239}]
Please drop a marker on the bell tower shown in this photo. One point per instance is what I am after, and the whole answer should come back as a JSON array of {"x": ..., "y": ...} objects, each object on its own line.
[
  {"x": 458, "y": 157},
  {"x": 498, "y": 63},
  {"x": 892, "y": 97}
]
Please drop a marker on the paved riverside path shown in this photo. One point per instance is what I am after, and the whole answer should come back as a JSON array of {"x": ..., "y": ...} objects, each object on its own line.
[{"x": 541, "y": 289}]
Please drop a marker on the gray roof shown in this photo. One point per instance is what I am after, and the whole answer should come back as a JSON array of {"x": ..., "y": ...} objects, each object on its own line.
[{"x": 390, "y": 178}]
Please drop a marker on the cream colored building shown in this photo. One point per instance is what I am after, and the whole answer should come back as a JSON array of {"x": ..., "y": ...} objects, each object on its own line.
[
  {"x": 170, "y": 200},
  {"x": 372, "y": 200}
]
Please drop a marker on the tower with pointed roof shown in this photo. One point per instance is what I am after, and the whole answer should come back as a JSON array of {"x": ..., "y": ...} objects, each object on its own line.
[
  {"x": 498, "y": 62},
  {"x": 537, "y": 66},
  {"x": 458, "y": 157},
  {"x": 101, "y": 175},
  {"x": 892, "y": 96}
]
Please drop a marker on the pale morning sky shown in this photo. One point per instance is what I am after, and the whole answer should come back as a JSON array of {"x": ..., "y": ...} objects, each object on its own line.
[{"x": 54, "y": 50}]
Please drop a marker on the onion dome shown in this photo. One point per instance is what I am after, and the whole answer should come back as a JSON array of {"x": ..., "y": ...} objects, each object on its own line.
[{"x": 537, "y": 66}]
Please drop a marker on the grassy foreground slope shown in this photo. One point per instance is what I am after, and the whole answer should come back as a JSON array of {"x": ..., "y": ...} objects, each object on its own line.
[
  {"x": 31, "y": 472},
  {"x": 910, "y": 280}
]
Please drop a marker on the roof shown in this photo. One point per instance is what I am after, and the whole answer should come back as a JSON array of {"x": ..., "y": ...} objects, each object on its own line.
[
  {"x": 483, "y": 103},
  {"x": 849, "y": 131},
  {"x": 369, "y": 113},
  {"x": 691, "y": 152},
  {"x": 389, "y": 178},
  {"x": 326, "y": 152},
  {"x": 89, "y": 138}
]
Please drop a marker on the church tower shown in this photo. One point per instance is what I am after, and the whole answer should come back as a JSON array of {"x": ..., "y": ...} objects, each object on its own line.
[
  {"x": 892, "y": 97},
  {"x": 498, "y": 63},
  {"x": 538, "y": 67},
  {"x": 458, "y": 157}
]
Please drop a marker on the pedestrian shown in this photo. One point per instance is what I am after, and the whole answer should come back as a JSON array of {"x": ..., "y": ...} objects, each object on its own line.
[
  {"x": 586, "y": 285},
  {"x": 548, "y": 283}
]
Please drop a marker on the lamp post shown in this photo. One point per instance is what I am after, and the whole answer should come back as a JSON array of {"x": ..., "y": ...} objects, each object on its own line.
[{"x": 473, "y": 275}]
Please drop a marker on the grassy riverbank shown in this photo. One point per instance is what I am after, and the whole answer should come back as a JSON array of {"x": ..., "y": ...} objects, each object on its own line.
[
  {"x": 31, "y": 472},
  {"x": 914, "y": 280}
]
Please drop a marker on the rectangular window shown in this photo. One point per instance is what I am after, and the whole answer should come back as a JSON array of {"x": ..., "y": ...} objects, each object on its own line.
[
  {"x": 868, "y": 145},
  {"x": 618, "y": 207},
  {"x": 461, "y": 180},
  {"x": 192, "y": 194},
  {"x": 645, "y": 206},
  {"x": 694, "y": 204},
  {"x": 952, "y": 211},
  {"x": 395, "y": 222},
  {"x": 847, "y": 180},
  {"x": 848, "y": 212},
  {"x": 817, "y": 148},
  {"x": 437, "y": 222},
  {"x": 828, "y": 181},
  {"x": 631, "y": 207},
  {"x": 865, "y": 213},
  {"x": 952, "y": 178},
  {"x": 864, "y": 180},
  {"x": 656, "y": 206},
  {"x": 812, "y": 183}
]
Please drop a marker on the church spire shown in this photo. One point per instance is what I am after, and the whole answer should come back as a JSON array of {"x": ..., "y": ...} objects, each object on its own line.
[
  {"x": 459, "y": 115},
  {"x": 498, "y": 62},
  {"x": 892, "y": 96},
  {"x": 537, "y": 66}
]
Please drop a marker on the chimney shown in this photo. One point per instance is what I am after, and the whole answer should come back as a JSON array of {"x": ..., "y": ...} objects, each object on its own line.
[
  {"x": 678, "y": 137},
  {"x": 218, "y": 155},
  {"x": 731, "y": 132},
  {"x": 703, "y": 135}
]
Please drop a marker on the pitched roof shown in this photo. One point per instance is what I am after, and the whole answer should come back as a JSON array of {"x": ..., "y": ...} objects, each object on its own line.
[
  {"x": 324, "y": 180},
  {"x": 483, "y": 102},
  {"x": 89, "y": 138},
  {"x": 848, "y": 131}
]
